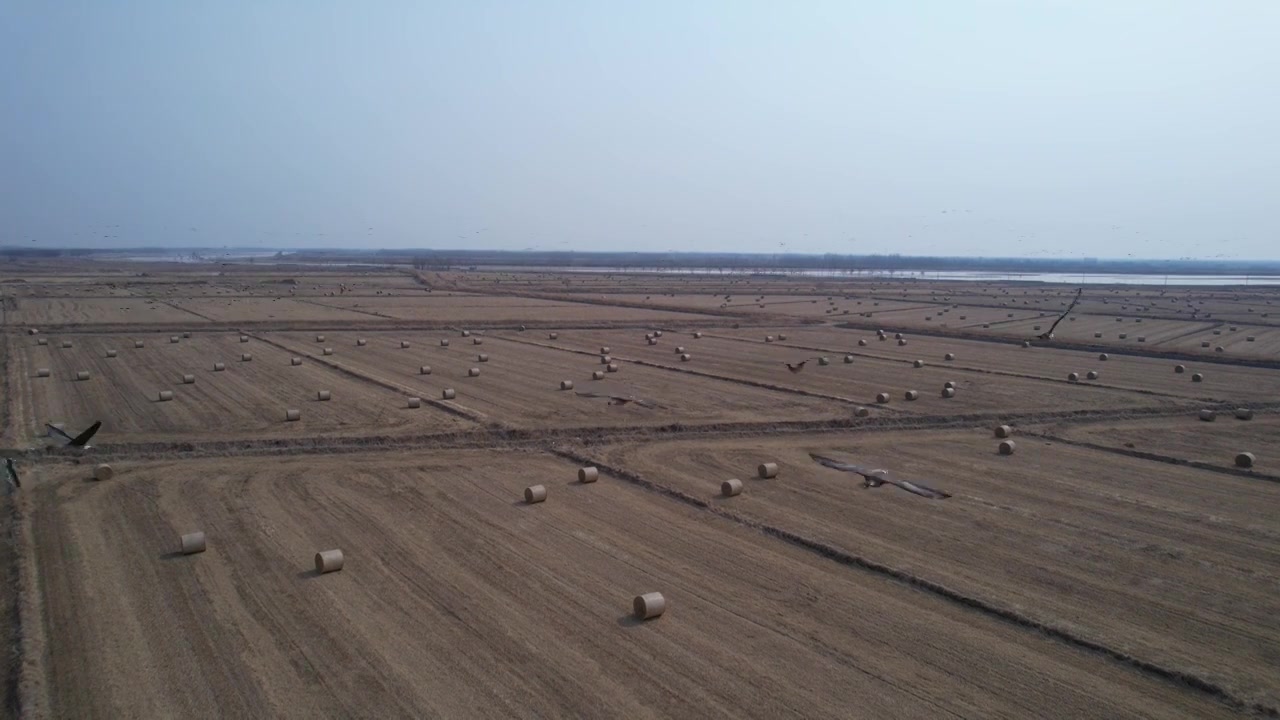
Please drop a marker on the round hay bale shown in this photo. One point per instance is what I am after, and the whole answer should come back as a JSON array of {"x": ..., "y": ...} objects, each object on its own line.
[
  {"x": 848, "y": 359},
  {"x": 1073, "y": 377},
  {"x": 611, "y": 367},
  {"x": 295, "y": 361},
  {"x": 1104, "y": 357},
  {"x": 448, "y": 394},
  {"x": 482, "y": 357},
  {"x": 731, "y": 487},
  {"x": 424, "y": 370},
  {"x": 1219, "y": 349},
  {"x": 473, "y": 372},
  {"x": 1097, "y": 335},
  {"x": 1197, "y": 377},
  {"x": 1123, "y": 336},
  {"x": 138, "y": 344},
  {"x": 319, "y": 338},
  {"x": 1003, "y": 431},
  {"x": 1245, "y": 460},
  {"x": 173, "y": 338},
  {"x": 1037, "y": 327},
  {"x": 949, "y": 384},
  {"x": 33, "y": 331},
  {"x": 1249, "y": 338},
  {"x": 1244, "y": 414},
  {"x": 679, "y": 349},
  {"x": 292, "y": 415},
  {"x": 246, "y": 357},
  {"x": 862, "y": 412},
  {"x": 897, "y": 336},
  {"x": 165, "y": 395},
  {"x": 414, "y": 402},
  {"x": 188, "y": 379},
  {"x": 862, "y": 342},
  {"x": 949, "y": 357},
  {"x": 103, "y": 472},
  {"x": 653, "y": 341},
  {"x": 882, "y": 398},
  {"x": 66, "y": 343},
  {"x": 553, "y": 336},
  {"x": 42, "y": 372},
  {"x": 1026, "y": 343},
  {"x": 948, "y": 392},
  {"x": 1217, "y": 332},
  {"x": 111, "y": 353},
  {"x": 648, "y": 606},
  {"x": 918, "y": 364},
  {"x": 1007, "y": 447},
  {"x": 244, "y": 338},
  {"x": 328, "y": 561},
  {"x": 82, "y": 375},
  {"x": 686, "y": 357},
  {"x": 477, "y": 341},
  {"x": 588, "y": 474},
  {"x": 535, "y": 494},
  {"x": 361, "y": 342},
  {"x": 604, "y": 349},
  {"x": 697, "y": 336},
  {"x": 323, "y": 395},
  {"x": 1179, "y": 369},
  {"x": 882, "y": 338},
  {"x": 902, "y": 342},
  {"x": 657, "y": 333},
  {"x": 466, "y": 333},
  {"x": 1091, "y": 375},
  {"x": 605, "y": 359},
  {"x": 192, "y": 543},
  {"x": 328, "y": 351},
  {"x": 566, "y": 384},
  {"x": 911, "y": 395},
  {"x": 767, "y": 470},
  {"x": 824, "y": 360},
  {"x": 404, "y": 344},
  {"x": 768, "y": 338},
  {"x": 1204, "y": 344},
  {"x": 1208, "y": 415}
]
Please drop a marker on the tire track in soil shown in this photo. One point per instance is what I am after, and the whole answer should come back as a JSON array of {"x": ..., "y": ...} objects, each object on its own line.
[{"x": 1177, "y": 678}]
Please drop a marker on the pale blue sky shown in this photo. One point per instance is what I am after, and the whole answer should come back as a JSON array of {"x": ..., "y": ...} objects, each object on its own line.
[{"x": 1044, "y": 128}]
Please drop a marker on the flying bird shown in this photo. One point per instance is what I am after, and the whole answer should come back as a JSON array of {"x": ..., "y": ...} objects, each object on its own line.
[
  {"x": 877, "y": 477},
  {"x": 79, "y": 441},
  {"x": 1049, "y": 334},
  {"x": 620, "y": 399},
  {"x": 797, "y": 367}
]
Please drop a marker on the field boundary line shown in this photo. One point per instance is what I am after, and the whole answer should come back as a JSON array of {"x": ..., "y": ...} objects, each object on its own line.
[{"x": 1156, "y": 457}]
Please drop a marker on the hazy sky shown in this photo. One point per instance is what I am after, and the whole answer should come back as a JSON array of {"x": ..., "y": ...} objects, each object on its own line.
[{"x": 1019, "y": 127}]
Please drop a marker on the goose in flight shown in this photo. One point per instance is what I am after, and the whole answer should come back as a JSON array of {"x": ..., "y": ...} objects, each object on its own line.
[
  {"x": 620, "y": 399},
  {"x": 797, "y": 367},
  {"x": 877, "y": 477}
]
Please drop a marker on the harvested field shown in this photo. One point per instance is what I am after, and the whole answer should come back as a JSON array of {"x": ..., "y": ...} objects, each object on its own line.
[
  {"x": 1152, "y": 375},
  {"x": 1176, "y": 566},
  {"x": 456, "y": 599},
  {"x": 859, "y": 381},
  {"x": 464, "y": 309},
  {"x": 520, "y": 383},
  {"x": 1117, "y": 563},
  {"x": 247, "y": 400}
]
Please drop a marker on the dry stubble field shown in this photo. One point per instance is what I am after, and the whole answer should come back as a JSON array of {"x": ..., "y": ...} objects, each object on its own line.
[{"x": 1117, "y": 564}]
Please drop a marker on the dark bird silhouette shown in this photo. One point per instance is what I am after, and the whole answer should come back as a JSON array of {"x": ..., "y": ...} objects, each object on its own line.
[
  {"x": 877, "y": 477},
  {"x": 1048, "y": 335},
  {"x": 797, "y": 367},
  {"x": 621, "y": 399}
]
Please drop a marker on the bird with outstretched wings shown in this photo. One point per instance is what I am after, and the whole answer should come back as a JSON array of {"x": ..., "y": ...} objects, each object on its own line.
[
  {"x": 797, "y": 367},
  {"x": 620, "y": 399},
  {"x": 873, "y": 478},
  {"x": 1049, "y": 334},
  {"x": 81, "y": 440}
]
